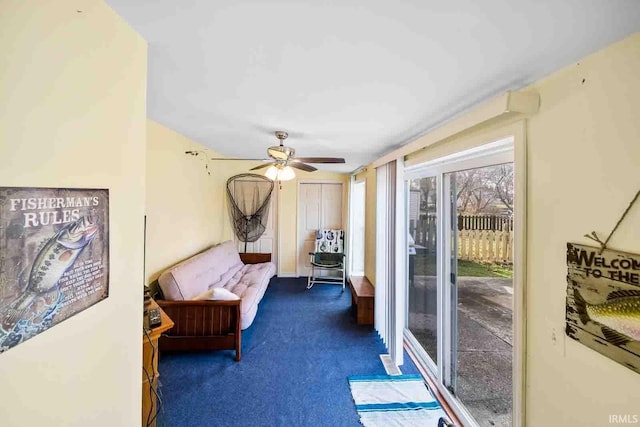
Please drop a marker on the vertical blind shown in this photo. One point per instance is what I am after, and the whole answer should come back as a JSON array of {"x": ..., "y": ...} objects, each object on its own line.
[{"x": 389, "y": 301}]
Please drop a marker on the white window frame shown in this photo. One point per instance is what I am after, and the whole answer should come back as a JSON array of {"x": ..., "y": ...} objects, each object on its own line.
[
  {"x": 509, "y": 146},
  {"x": 380, "y": 300},
  {"x": 350, "y": 256},
  {"x": 402, "y": 263}
]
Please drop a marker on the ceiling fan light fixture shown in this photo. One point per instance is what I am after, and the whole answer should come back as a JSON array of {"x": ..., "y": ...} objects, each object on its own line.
[
  {"x": 281, "y": 153},
  {"x": 271, "y": 173},
  {"x": 280, "y": 173},
  {"x": 287, "y": 174}
]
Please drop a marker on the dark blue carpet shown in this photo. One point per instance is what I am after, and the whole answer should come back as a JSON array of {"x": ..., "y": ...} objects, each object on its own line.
[{"x": 296, "y": 358}]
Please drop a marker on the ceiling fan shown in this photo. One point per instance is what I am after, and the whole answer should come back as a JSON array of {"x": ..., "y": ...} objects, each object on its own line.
[{"x": 282, "y": 159}]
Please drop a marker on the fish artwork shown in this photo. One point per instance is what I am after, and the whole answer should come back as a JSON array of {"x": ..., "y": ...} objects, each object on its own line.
[
  {"x": 41, "y": 295},
  {"x": 618, "y": 317},
  {"x": 603, "y": 302}
]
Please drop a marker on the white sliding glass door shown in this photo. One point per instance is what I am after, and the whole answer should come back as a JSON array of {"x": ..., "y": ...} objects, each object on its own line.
[{"x": 459, "y": 318}]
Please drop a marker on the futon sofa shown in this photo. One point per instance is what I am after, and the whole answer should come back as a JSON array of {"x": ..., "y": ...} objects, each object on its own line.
[{"x": 212, "y": 296}]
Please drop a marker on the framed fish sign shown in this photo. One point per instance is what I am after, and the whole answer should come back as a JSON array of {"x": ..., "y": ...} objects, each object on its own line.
[
  {"x": 54, "y": 257},
  {"x": 603, "y": 302}
]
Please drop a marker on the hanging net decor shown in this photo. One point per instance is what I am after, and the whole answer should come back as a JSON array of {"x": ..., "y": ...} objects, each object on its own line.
[{"x": 249, "y": 196}]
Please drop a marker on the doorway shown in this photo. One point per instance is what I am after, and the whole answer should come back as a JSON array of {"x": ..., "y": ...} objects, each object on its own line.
[
  {"x": 319, "y": 207},
  {"x": 460, "y": 293}
]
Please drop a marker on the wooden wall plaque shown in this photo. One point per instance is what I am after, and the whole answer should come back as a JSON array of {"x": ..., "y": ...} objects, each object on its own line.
[{"x": 603, "y": 302}]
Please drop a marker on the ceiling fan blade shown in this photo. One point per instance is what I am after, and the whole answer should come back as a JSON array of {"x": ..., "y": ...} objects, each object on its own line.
[
  {"x": 320, "y": 159},
  {"x": 263, "y": 166},
  {"x": 233, "y": 158},
  {"x": 302, "y": 166}
]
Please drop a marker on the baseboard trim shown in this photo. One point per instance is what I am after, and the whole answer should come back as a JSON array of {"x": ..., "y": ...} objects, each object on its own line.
[{"x": 288, "y": 275}]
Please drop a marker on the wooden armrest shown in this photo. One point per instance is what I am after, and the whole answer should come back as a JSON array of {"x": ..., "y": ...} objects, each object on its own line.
[
  {"x": 202, "y": 325},
  {"x": 196, "y": 303},
  {"x": 202, "y": 318}
]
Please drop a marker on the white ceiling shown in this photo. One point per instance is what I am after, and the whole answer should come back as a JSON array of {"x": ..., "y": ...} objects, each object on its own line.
[{"x": 348, "y": 78}]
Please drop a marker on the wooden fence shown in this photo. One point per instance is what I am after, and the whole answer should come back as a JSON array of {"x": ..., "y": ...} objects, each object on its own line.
[
  {"x": 424, "y": 233},
  {"x": 485, "y": 222},
  {"x": 485, "y": 246},
  {"x": 485, "y": 239}
]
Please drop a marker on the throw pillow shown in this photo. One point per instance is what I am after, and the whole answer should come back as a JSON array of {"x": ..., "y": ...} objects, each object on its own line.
[{"x": 219, "y": 294}]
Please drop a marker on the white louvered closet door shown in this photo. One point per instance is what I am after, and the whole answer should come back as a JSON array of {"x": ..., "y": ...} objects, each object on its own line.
[{"x": 319, "y": 207}]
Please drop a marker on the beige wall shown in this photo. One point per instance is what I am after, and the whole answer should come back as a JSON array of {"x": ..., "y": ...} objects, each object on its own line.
[
  {"x": 584, "y": 157},
  {"x": 187, "y": 208},
  {"x": 72, "y": 114},
  {"x": 583, "y": 161}
]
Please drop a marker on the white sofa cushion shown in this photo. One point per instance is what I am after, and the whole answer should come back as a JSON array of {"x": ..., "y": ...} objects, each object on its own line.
[
  {"x": 219, "y": 267},
  {"x": 250, "y": 284},
  {"x": 199, "y": 273}
]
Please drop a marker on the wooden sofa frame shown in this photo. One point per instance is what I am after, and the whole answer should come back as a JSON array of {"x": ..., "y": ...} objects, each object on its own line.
[{"x": 206, "y": 325}]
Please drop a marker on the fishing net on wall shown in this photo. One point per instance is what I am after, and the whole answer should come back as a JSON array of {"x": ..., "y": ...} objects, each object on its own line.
[{"x": 249, "y": 196}]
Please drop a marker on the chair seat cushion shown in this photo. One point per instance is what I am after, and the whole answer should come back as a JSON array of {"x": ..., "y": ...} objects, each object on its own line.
[{"x": 327, "y": 264}]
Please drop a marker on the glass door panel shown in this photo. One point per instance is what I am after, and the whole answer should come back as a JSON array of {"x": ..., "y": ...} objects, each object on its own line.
[
  {"x": 481, "y": 327},
  {"x": 422, "y": 289}
]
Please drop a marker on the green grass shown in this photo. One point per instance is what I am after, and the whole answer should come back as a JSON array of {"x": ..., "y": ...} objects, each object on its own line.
[
  {"x": 474, "y": 269},
  {"x": 426, "y": 266}
]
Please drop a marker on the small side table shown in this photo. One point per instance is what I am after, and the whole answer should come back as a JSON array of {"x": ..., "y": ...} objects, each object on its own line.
[{"x": 150, "y": 367}]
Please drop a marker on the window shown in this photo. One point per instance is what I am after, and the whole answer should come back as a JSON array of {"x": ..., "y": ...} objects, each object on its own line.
[{"x": 357, "y": 224}]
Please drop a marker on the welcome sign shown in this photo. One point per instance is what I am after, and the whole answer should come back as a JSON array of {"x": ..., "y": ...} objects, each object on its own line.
[
  {"x": 603, "y": 302},
  {"x": 54, "y": 257}
]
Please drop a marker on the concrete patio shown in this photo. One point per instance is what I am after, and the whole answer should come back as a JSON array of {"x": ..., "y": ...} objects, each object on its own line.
[{"x": 484, "y": 341}]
